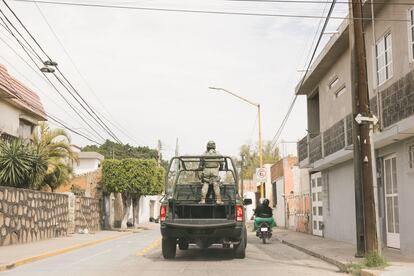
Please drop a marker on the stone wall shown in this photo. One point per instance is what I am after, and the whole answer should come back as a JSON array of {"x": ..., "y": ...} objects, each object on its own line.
[
  {"x": 303, "y": 148},
  {"x": 87, "y": 214},
  {"x": 27, "y": 215},
  {"x": 315, "y": 148}
]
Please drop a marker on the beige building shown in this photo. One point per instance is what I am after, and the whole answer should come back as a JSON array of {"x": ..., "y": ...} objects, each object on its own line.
[
  {"x": 20, "y": 107},
  {"x": 327, "y": 149}
]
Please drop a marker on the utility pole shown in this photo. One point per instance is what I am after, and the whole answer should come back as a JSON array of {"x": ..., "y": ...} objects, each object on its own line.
[
  {"x": 159, "y": 147},
  {"x": 367, "y": 241}
]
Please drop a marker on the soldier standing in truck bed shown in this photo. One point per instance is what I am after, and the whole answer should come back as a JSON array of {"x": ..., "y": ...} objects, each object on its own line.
[{"x": 210, "y": 174}]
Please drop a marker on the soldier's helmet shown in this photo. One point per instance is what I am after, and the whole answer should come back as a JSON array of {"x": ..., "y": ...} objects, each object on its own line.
[{"x": 211, "y": 145}]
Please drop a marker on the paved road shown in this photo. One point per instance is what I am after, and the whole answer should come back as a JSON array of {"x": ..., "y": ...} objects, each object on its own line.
[{"x": 140, "y": 254}]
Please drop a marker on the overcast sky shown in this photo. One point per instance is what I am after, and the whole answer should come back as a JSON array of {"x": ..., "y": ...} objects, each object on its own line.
[{"x": 150, "y": 71}]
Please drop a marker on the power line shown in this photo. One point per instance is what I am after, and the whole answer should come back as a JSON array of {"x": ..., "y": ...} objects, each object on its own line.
[
  {"x": 89, "y": 109},
  {"x": 51, "y": 83},
  {"x": 123, "y": 131},
  {"x": 198, "y": 11},
  {"x": 34, "y": 108},
  {"x": 319, "y": 2},
  {"x": 279, "y": 131}
]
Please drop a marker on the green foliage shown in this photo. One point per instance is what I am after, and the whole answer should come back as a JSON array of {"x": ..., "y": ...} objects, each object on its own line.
[
  {"x": 112, "y": 150},
  {"x": 375, "y": 260},
  {"x": 55, "y": 145},
  {"x": 21, "y": 165},
  {"x": 132, "y": 176},
  {"x": 78, "y": 191},
  {"x": 251, "y": 158}
]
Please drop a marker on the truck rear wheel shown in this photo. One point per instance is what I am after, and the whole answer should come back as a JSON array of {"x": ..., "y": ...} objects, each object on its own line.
[
  {"x": 240, "y": 249},
  {"x": 169, "y": 248}
]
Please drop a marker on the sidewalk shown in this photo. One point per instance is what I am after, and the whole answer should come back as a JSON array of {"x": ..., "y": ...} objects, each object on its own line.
[
  {"x": 341, "y": 254},
  {"x": 16, "y": 255}
]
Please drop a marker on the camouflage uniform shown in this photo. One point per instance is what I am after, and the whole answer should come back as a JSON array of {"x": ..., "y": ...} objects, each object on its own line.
[{"x": 210, "y": 174}]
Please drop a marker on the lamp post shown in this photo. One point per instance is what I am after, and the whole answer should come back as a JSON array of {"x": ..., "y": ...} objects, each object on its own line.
[{"x": 260, "y": 128}]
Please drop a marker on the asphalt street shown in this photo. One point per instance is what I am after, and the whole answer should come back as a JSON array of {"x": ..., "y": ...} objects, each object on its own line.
[{"x": 140, "y": 254}]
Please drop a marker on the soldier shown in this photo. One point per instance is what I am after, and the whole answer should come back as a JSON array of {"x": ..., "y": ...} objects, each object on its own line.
[{"x": 210, "y": 174}]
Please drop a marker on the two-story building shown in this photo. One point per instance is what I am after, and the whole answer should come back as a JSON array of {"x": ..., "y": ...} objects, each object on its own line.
[
  {"x": 20, "y": 108},
  {"x": 327, "y": 148}
]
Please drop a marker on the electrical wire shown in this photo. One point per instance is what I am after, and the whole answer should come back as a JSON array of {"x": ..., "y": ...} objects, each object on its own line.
[
  {"x": 319, "y": 2},
  {"x": 116, "y": 125},
  {"x": 56, "y": 89},
  {"x": 280, "y": 129},
  {"x": 88, "y": 108},
  {"x": 198, "y": 11}
]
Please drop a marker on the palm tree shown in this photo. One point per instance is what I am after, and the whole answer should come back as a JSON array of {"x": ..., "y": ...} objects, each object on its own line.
[{"x": 55, "y": 145}]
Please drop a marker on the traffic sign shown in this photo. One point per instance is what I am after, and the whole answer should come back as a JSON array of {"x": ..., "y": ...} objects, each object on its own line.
[{"x": 261, "y": 174}]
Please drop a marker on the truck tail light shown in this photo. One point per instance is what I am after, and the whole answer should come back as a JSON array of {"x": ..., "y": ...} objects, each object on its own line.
[
  {"x": 163, "y": 213},
  {"x": 239, "y": 213}
]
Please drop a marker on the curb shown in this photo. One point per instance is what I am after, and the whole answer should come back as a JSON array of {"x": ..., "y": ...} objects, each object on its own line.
[
  {"x": 340, "y": 265},
  {"x": 58, "y": 252}
]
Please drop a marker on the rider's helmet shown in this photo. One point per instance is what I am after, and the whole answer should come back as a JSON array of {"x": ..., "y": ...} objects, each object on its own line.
[
  {"x": 211, "y": 145},
  {"x": 265, "y": 202}
]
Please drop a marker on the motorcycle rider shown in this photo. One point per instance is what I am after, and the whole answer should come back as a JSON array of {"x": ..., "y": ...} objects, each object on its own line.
[
  {"x": 210, "y": 174},
  {"x": 264, "y": 213}
]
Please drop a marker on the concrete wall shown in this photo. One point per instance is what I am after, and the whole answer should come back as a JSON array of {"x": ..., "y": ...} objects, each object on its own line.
[
  {"x": 87, "y": 165},
  {"x": 339, "y": 202},
  {"x": 405, "y": 180},
  {"x": 279, "y": 212},
  {"x": 89, "y": 182},
  {"x": 27, "y": 215},
  {"x": 9, "y": 119}
]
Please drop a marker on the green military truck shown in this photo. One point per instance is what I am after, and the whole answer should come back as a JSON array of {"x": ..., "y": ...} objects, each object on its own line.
[{"x": 184, "y": 220}]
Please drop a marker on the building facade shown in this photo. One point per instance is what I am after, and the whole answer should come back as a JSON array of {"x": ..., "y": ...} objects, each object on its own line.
[
  {"x": 327, "y": 149},
  {"x": 20, "y": 108},
  {"x": 289, "y": 194}
]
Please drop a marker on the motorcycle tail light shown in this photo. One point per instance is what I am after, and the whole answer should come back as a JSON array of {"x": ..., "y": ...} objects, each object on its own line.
[
  {"x": 163, "y": 213},
  {"x": 239, "y": 213}
]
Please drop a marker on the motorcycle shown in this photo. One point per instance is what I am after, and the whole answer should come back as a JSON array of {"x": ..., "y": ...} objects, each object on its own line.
[{"x": 264, "y": 231}]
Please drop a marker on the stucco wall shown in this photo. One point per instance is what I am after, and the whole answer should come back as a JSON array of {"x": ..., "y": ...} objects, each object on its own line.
[
  {"x": 339, "y": 202},
  {"x": 9, "y": 119}
]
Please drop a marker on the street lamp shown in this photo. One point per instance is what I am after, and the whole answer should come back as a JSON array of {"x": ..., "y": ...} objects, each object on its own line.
[{"x": 260, "y": 128}]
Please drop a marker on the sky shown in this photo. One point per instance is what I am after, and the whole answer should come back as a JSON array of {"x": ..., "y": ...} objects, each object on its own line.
[{"x": 148, "y": 72}]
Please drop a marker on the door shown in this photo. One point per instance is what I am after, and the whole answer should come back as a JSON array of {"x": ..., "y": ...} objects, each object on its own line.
[
  {"x": 280, "y": 203},
  {"x": 391, "y": 202},
  {"x": 317, "y": 205}
]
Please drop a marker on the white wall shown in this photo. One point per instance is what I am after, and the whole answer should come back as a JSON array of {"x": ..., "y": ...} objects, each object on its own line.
[
  {"x": 87, "y": 165},
  {"x": 279, "y": 212},
  {"x": 249, "y": 208},
  {"x": 9, "y": 118}
]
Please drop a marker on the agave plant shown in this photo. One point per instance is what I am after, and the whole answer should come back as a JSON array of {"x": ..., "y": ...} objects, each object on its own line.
[{"x": 21, "y": 165}]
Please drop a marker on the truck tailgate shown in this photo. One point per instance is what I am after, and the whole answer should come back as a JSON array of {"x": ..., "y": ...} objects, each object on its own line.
[{"x": 200, "y": 223}]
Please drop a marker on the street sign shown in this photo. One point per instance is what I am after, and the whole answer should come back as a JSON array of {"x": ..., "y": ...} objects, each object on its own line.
[{"x": 261, "y": 174}]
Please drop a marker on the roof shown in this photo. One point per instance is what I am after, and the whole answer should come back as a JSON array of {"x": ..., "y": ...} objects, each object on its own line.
[
  {"x": 90, "y": 155},
  {"x": 19, "y": 95},
  {"x": 337, "y": 44}
]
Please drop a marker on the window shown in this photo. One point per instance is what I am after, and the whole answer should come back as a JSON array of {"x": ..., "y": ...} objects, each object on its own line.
[
  {"x": 314, "y": 211},
  {"x": 320, "y": 211},
  {"x": 411, "y": 156},
  {"x": 314, "y": 197},
  {"x": 340, "y": 91},
  {"x": 383, "y": 52},
  {"x": 25, "y": 129},
  {"x": 411, "y": 33},
  {"x": 333, "y": 82}
]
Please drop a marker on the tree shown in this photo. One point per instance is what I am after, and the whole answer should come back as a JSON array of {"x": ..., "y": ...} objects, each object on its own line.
[
  {"x": 55, "y": 145},
  {"x": 21, "y": 165},
  {"x": 251, "y": 157},
  {"x": 112, "y": 150},
  {"x": 132, "y": 178}
]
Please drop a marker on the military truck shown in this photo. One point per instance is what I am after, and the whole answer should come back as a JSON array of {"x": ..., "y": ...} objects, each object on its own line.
[{"x": 184, "y": 220}]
